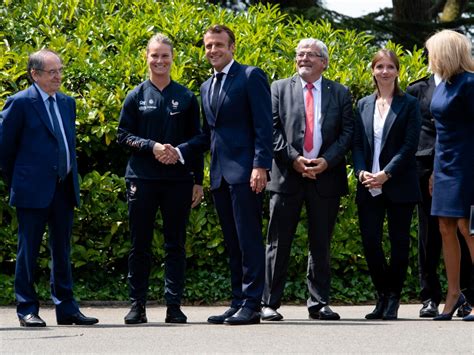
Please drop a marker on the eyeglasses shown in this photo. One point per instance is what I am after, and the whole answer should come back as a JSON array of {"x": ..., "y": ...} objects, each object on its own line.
[
  {"x": 310, "y": 55},
  {"x": 52, "y": 72}
]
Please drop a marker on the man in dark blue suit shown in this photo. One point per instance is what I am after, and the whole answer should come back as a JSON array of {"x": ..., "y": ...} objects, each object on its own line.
[
  {"x": 238, "y": 127},
  {"x": 38, "y": 161}
]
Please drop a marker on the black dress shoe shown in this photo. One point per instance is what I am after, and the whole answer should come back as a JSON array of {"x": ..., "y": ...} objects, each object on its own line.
[
  {"x": 377, "y": 313},
  {"x": 429, "y": 309},
  {"x": 175, "y": 315},
  {"x": 32, "y": 320},
  {"x": 78, "y": 319},
  {"x": 464, "y": 310},
  {"x": 324, "y": 313},
  {"x": 391, "y": 311},
  {"x": 137, "y": 314},
  {"x": 222, "y": 317},
  {"x": 270, "y": 314},
  {"x": 244, "y": 316}
]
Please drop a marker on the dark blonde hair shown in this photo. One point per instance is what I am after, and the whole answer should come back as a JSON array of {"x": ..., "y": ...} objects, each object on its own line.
[
  {"x": 160, "y": 38},
  {"x": 394, "y": 58},
  {"x": 449, "y": 53}
]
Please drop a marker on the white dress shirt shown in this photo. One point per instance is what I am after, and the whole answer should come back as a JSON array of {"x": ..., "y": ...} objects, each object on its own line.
[{"x": 317, "y": 136}]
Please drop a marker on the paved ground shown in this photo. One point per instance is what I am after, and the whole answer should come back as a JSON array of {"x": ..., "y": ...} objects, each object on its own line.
[{"x": 296, "y": 334}]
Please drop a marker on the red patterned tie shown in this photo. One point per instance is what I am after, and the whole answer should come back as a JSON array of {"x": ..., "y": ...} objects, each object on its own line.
[{"x": 309, "y": 107}]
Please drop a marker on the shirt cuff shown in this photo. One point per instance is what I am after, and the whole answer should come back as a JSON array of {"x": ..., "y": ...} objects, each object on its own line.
[{"x": 181, "y": 159}]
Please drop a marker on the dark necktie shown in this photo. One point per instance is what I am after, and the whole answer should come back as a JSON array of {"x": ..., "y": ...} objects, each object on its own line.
[
  {"x": 215, "y": 92},
  {"x": 62, "y": 157},
  {"x": 309, "y": 131}
]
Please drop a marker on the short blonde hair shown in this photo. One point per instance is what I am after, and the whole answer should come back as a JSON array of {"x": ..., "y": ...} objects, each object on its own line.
[{"x": 449, "y": 53}]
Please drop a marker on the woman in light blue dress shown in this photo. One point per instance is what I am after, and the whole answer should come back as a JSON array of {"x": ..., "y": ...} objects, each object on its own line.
[{"x": 452, "y": 107}]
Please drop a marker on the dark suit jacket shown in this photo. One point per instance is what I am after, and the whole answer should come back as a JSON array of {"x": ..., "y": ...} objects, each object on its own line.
[
  {"x": 423, "y": 90},
  {"x": 28, "y": 148},
  {"x": 399, "y": 142},
  {"x": 240, "y": 133},
  {"x": 288, "y": 135}
]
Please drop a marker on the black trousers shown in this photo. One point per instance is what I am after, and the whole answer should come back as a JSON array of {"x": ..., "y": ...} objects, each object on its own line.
[
  {"x": 174, "y": 201},
  {"x": 388, "y": 278},
  {"x": 429, "y": 250},
  {"x": 285, "y": 212}
]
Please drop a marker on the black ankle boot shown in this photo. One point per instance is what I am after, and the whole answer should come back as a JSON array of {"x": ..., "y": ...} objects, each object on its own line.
[
  {"x": 175, "y": 315},
  {"x": 137, "y": 314},
  {"x": 377, "y": 313},
  {"x": 391, "y": 311}
]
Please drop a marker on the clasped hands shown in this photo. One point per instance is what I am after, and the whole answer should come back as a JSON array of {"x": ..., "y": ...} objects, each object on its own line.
[
  {"x": 165, "y": 153},
  {"x": 373, "y": 180},
  {"x": 309, "y": 168}
]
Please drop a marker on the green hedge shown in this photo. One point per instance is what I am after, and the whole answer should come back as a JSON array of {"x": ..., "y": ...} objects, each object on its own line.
[{"x": 102, "y": 44}]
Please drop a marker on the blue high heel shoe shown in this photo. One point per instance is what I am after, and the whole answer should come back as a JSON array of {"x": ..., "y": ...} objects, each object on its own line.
[
  {"x": 447, "y": 316},
  {"x": 469, "y": 318}
]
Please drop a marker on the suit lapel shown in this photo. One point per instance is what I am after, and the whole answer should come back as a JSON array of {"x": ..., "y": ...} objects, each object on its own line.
[
  {"x": 297, "y": 98},
  {"x": 431, "y": 87},
  {"x": 206, "y": 97},
  {"x": 39, "y": 106},
  {"x": 368, "y": 120},
  {"x": 392, "y": 114},
  {"x": 325, "y": 98},
  {"x": 227, "y": 84}
]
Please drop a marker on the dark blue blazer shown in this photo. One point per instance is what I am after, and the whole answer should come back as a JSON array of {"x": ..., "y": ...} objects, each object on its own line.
[
  {"x": 399, "y": 144},
  {"x": 240, "y": 133},
  {"x": 28, "y": 148}
]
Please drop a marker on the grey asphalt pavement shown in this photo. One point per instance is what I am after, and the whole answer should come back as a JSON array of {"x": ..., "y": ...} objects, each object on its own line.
[{"x": 295, "y": 334}]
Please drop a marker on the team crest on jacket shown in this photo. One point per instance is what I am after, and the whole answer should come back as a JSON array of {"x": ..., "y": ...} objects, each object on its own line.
[{"x": 143, "y": 105}]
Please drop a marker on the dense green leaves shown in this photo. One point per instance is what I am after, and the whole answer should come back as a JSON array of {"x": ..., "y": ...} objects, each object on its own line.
[{"x": 102, "y": 44}]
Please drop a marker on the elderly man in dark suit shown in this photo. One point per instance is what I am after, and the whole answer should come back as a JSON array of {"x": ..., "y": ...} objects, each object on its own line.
[
  {"x": 238, "y": 127},
  {"x": 38, "y": 160},
  {"x": 312, "y": 132}
]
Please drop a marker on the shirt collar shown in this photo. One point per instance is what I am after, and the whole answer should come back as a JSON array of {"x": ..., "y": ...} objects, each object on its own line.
[
  {"x": 226, "y": 69},
  {"x": 437, "y": 79},
  {"x": 317, "y": 83},
  {"x": 44, "y": 95}
]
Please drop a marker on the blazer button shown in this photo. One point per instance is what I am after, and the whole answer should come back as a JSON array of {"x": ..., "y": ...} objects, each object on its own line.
[{"x": 55, "y": 168}]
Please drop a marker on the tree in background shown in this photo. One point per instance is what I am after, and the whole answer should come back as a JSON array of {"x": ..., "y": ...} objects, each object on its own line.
[
  {"x": 414, "y": 21},
  {"x": 407, "y": 22}
]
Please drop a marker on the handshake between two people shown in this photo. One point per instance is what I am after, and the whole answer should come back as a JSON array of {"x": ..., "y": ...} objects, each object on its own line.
[
  {"x": 309, "y": 168},
  {"x": 165, "y": 153}
]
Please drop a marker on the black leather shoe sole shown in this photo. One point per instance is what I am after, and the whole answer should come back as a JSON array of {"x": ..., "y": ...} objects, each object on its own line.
[
  {"x": 428, "y": 314},
  {"x": 222, "y": 317},
  {"x": 37, "y": 323},
  {"x": 136, "y": 320},
  {"x": 372, "y": 316},
  {"x": 272, "y": 318},
  {"x": 270, "y": 315},
  {"x": 78, "y": 319},
  {"x": 254, "y": 320},
  {"x": 176, "y": 320},
  {"x": 330, "y": 316},
  {"x": 77, "y": 322}
]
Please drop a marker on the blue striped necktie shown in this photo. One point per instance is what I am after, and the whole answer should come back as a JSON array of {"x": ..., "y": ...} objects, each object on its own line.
[{"x": 62, "y": 155}]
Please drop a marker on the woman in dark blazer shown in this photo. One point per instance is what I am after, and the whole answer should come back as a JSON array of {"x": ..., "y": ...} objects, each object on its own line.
[{"x": 385, "y": 141}]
